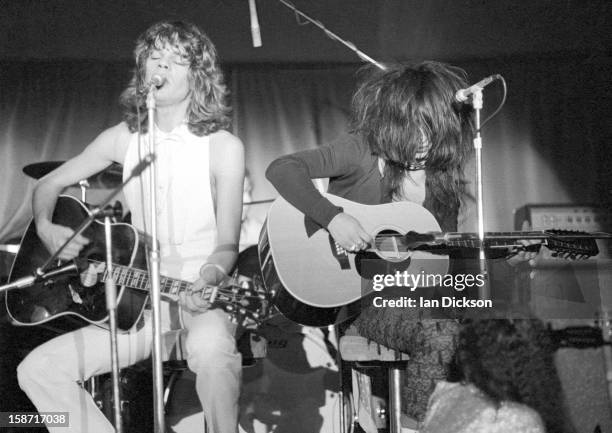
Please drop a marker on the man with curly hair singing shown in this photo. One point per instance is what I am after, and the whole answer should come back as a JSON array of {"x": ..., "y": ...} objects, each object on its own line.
[{"x": 200, "y": 181}]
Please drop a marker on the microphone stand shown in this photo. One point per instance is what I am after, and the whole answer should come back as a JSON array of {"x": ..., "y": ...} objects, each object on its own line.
[
  {"x": 154, "y": 277},
  {"x": 484, "y": 291},
  {"x": 111, "y": 306}
]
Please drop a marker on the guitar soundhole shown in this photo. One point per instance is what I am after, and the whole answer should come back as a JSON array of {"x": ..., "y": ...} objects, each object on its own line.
[
  {"x": 390, "y": 245},
  {"x": 391, "y": 255}
]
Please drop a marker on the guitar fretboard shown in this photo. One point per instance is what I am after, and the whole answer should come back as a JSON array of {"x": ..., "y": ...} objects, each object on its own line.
[
  {"x": 492, "y": 239},
  {"x": 139, "y": 279},
  {"x": 561, "y": 241},
  {"x": 397, "y": 242}
]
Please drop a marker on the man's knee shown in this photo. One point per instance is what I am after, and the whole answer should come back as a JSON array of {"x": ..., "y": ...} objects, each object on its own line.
[
  {"x": 34, "y": 368},
  {"x": 209, "y": 349}
]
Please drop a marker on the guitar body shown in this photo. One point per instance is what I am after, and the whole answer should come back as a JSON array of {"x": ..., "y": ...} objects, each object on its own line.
[
  {"x": 315, "y": 283},
  {"x": 65, "y": 297}
]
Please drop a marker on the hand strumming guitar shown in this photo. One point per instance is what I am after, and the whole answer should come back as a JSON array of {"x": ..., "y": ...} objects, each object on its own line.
[
  {"x": 349, "y": 233},
  {"x": 54, "y": 236}
]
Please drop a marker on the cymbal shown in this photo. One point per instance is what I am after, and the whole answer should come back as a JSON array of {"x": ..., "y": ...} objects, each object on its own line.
[{"x": 110, "y": 177}]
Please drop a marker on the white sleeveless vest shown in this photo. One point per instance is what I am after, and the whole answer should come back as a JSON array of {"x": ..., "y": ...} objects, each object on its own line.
[{"x": 186, "y": 224}]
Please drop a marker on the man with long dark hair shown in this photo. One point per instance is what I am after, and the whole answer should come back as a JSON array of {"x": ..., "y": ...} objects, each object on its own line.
[
  {"x": 409, "y": 142},
  {"x": 200, "y": 173}
]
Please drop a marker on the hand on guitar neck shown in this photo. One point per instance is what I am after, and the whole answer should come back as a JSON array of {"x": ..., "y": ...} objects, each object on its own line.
[
  {"x": 527, "y": 253},
  {"x": 191, "y": 299}
]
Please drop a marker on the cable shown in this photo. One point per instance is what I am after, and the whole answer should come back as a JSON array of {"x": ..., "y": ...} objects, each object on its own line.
[
  {"x": 501, "y": 104},
  {"x": 330, "y": 34}
]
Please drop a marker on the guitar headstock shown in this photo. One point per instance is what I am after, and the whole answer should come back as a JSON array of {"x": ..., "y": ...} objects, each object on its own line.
[
  {"x": 245, "y": 300},
  {"x": 571, "y": 244}
]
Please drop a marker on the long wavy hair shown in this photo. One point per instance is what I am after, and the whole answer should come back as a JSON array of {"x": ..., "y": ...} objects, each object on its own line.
[
  {"x": 512, "y": 360},
  {"x": 208, "y": 110},
  {"x": 408, "y": 117}
]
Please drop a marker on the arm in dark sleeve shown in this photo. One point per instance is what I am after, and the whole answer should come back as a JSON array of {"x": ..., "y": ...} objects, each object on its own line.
[{"x": 291, "y": 175}]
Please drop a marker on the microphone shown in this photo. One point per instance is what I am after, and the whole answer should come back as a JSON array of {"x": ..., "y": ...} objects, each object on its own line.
[
  {"x": 462, "y": 95},
  {"x": 156, "y": 81},
  {"x": 255, "y": 33},
  {"x": 30, "y": 280}
]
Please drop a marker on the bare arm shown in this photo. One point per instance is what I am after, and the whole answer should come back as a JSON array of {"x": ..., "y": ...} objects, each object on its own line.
[
  {"x": 227, "y": 170},
  {"x": 227, "y": 161},
  {"x": 104, "y": 150}
]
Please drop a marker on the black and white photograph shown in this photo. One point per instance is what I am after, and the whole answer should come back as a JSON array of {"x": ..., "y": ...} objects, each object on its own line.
[{"x": 306, "y": 216}]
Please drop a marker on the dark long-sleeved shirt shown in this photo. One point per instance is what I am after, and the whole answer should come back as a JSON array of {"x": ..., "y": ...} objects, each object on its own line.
[{"x": 353, "y": 174}]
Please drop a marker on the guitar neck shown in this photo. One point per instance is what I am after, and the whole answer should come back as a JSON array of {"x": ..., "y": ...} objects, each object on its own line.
[
  {"x": 492, "y": 239},
  {"x": 503, "y": 239},
  {"x": 139, "y": 279}
]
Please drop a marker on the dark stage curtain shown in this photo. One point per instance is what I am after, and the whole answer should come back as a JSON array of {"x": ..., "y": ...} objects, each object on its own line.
[{"x": 550, "y": 143}]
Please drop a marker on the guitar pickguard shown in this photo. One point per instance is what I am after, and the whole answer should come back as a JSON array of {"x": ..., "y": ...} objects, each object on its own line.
[
  {"x": 339, "y": 253},
  {"x": 368, "y": 264}
]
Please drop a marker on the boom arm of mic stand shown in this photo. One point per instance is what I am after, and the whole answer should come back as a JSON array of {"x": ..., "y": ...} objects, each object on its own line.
[{"x": 334, "y": 36}]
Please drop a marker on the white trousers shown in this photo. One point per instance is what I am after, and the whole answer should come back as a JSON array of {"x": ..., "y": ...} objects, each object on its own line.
[{"x": 49, "y": 374}]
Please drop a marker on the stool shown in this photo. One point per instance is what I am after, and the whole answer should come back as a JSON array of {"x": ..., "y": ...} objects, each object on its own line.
[
  {"x": 137, "y": 388},
  {"x": 357, "y": 349},
  {"x": 251, "y": 345}
]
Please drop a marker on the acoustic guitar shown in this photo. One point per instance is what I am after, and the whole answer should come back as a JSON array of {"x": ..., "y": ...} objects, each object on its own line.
[
  {"x": 315, "y": 282},
  {"x": 78, "y": 300}
]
